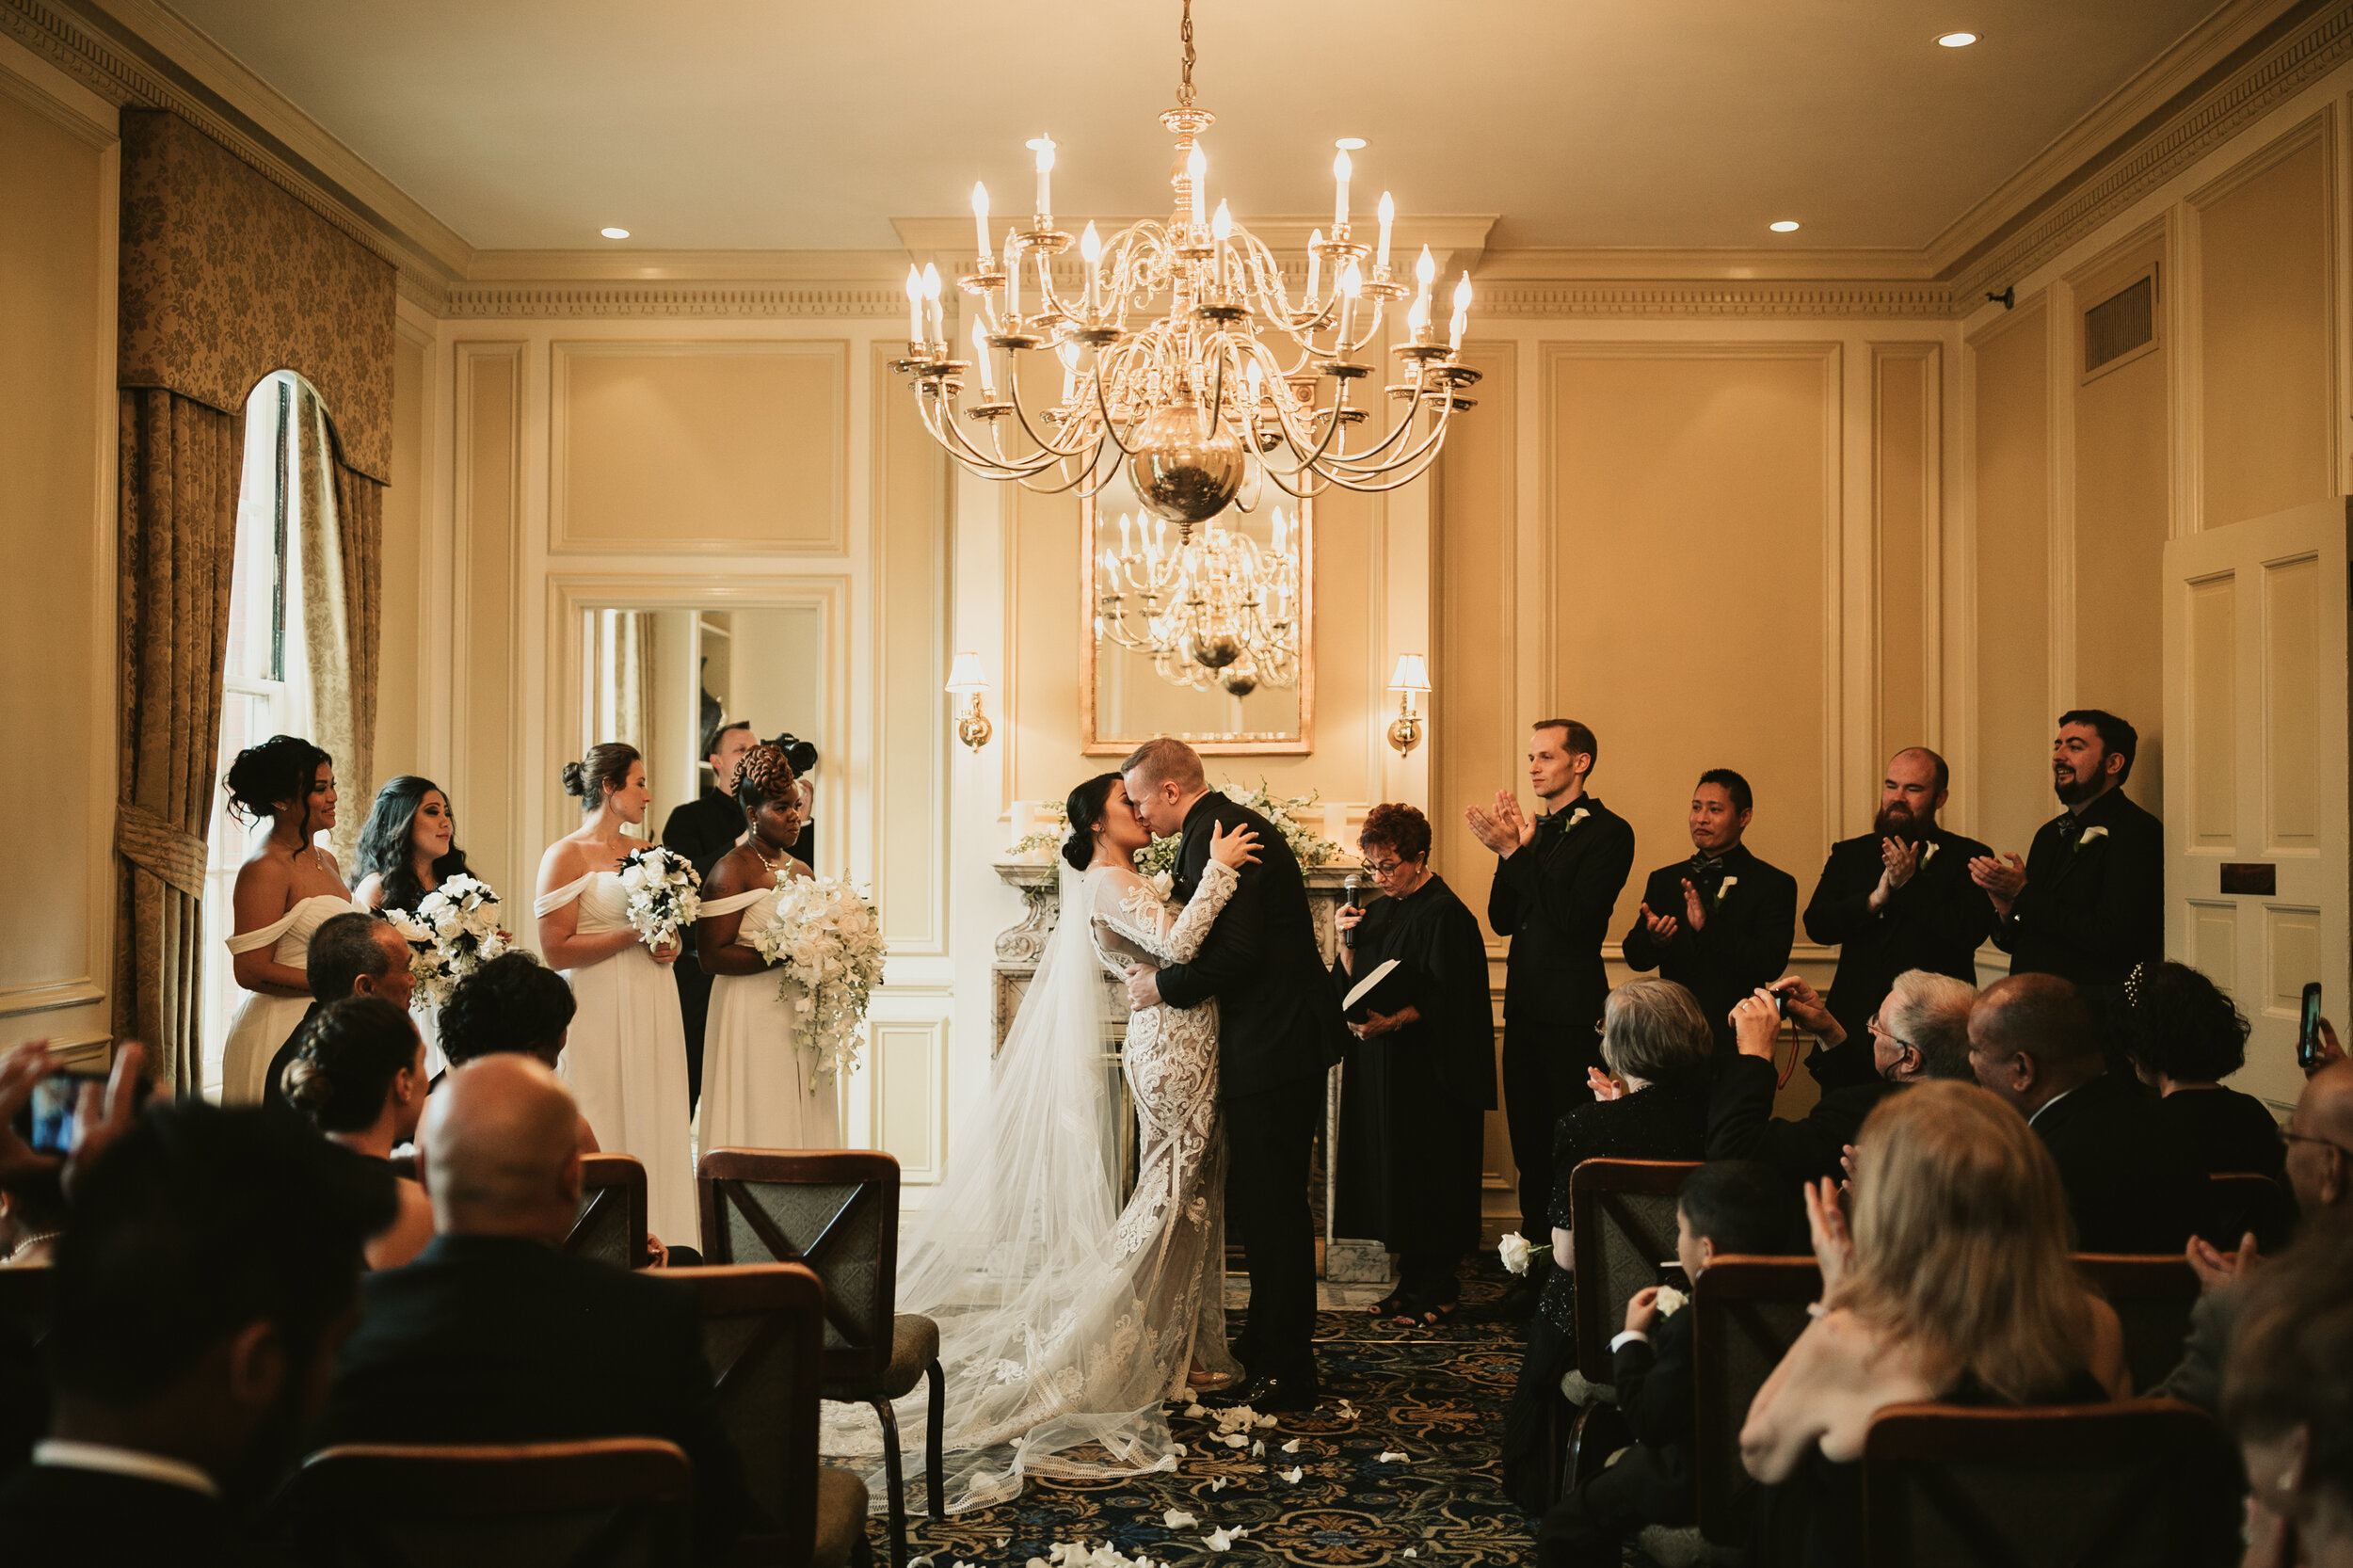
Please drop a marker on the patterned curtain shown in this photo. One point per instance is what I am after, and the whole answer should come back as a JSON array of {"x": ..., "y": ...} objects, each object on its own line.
[
  {"x": 342, "y": 518},
  {"x": 177, "y": 539},
  {"x": 360, "y": 535}
]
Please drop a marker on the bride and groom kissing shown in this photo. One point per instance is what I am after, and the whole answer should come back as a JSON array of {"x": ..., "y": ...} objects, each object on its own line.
[{"x": 1066, "y": 1321}]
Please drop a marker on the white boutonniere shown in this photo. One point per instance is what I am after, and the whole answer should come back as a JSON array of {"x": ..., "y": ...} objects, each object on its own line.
[
  {"x": 2092, "y": 833},
  {"x": 1728, "y": 884},
  {"x": 1670, "y": 1301},
  {"x": 1929, "y": 854},
  {"x": 1576, "y": 816}
]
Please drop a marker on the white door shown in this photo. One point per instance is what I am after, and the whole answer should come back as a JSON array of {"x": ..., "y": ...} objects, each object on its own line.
[{"x": 2255, "y": 775}]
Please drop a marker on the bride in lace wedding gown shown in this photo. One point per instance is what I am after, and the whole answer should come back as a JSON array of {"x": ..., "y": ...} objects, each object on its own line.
[{"x": 1064, "y": 1326}]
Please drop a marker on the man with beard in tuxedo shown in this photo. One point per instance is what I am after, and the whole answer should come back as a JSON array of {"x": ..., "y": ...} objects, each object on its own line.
[
  {"x": 703, "y": 830},
  {"x": 1897, "y": 898},
  {"x": 2088, "y": 901}
]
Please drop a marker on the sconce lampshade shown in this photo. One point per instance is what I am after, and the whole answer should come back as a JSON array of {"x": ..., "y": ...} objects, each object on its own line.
[
  {"x": 965, "y": 677},
  {"x": 1413, "y": 674}
]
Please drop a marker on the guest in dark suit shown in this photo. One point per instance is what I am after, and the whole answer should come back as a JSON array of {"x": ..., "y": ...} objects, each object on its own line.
[
  {"x": 2088, "y": 901},
  {"x": 209, "y": 1277},
  {"x": 1919, "y": 1031},
  {"x": 1557, "y": 879},
  {"x": 704, "y": 829},
  {"x": 493, "y": 1335},
  {"x": 1721, "y": 924},
  {"x": 1727, "y": 1207},
  {"x": 1415, "y": 1094},
  {"x": 1897, "y": 898},
  {"x": 2132, "y": 1184},
  {"x": 1279, "y": 1030},
  {"x": 351, "y": 955},
  {"x": 1658, "y": 1045}
]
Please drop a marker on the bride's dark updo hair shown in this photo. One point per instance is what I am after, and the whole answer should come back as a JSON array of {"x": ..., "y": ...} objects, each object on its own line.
[
  {"x": 282, "y": 768},
  {"x": 604, "y": 769},
  {"x": 1085, "y": 806}
]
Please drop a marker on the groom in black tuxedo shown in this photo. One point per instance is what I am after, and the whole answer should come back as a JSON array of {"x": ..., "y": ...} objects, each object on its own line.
[{"x": 1279, "y": 1030}]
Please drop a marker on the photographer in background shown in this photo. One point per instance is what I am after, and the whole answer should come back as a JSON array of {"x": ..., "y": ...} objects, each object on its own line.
[{"x": 802, "y": 755}]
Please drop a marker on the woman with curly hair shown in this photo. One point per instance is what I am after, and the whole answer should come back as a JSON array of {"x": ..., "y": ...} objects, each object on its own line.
[
  {"x": 288, "y": 887},
  {"x": 760, "y": 1087},
  {"x": 1415, "y": 1095}
]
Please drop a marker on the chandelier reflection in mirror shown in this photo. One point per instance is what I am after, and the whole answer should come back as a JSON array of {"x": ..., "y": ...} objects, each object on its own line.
[
  {"x": 1210, "y": 609},
  {"x": 1232, "y": 381}
]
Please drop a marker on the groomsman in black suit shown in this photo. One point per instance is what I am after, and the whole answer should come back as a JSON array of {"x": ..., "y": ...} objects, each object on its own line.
[
  {"x": 2089, "y": 902},
  {"x": 1279, "y": 1030},
  {"x": 1721, "y": 924},
  {"x": 1900, "y": 897},
  {"x": 1557, "y": 876},
  {"x": 703, "y": 830}
]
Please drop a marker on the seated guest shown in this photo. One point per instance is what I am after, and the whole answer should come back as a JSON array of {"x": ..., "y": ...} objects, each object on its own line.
[
  {"x": 2182, "y": 1036},
  {"x": 1657, "y": 1041},
  {"x": 513, "y": 1002},
  {"x": 202, "y": 1294},
  {"x": 1721, "y": 924},
  {"x": 2287, "y": 1397},
  {"x": 1415, "y": 1095},
  {"x": 358, "y": 955},
  {"x": 2132, "y": 1184},
  {"x": 361, "y": 1079},
  {"x": 1729, "y": 1207},
  {"x": 1920, "y": 1031},
  {"x": 495, "y": 1335},
  {"x": 32, "y": 1217},
  {"x": 1897, "y": 898},
  {"x": 1956, "y": 1285}
]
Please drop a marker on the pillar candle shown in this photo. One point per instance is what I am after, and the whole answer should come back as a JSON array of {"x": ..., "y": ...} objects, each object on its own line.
[{"x": 1335, "y": 825}]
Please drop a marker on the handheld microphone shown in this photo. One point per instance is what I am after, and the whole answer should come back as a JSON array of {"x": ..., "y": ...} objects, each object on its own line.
[{"x": 1348, "y": 883}]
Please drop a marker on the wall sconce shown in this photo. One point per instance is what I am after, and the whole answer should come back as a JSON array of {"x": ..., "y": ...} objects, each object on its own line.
[
  {"x": 1410, "y": 680},
  {"x": 966, "y": 680}
]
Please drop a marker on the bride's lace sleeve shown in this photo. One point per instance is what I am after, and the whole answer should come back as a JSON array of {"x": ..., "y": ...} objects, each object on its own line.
[{"x": 1128, "y": 906}]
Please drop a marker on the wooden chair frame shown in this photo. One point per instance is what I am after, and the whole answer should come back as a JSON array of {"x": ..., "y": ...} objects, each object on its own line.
[
  {"x": 2130, "y": 1280},
  {"x": 1725, "y": 1299},
  {"x": 867, "y": 1350},
  {"x": 1598, "y": 1190},
  {"x": 606, "y": 1180}
]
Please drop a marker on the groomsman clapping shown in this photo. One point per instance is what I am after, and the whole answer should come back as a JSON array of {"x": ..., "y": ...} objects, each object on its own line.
[{"x": 1721, "y": 923}]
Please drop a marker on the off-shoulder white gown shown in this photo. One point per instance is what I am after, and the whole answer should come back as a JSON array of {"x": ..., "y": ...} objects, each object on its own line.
[
  {"x": 262, "y": 1021},
  {"x": 759, "y": 1090},
  {"x": 626, "y": 1058}
]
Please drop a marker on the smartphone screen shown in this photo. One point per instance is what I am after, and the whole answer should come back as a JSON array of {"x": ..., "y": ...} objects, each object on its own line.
[
  {"x": 2308, "y": 1031},
  {"x": 53, "y": 1100}
]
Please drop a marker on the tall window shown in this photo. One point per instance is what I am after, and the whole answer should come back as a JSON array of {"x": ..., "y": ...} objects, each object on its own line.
[{"x": 265, "y": 686}]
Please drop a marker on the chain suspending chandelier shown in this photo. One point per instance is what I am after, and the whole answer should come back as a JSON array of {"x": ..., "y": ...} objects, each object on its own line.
[
  {"x": 1212, "y": 610},
  {"x": 1198, "y": 398}
]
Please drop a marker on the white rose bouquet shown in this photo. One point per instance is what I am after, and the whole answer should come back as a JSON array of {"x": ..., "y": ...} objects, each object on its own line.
[
  {"x": 826, "y": 944},
  {"x": 453, "y": 930},
  {"x": 664, "y": 893}
]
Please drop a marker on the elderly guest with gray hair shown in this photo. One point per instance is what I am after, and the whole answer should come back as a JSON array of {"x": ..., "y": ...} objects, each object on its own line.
[{"x": 1652, "y": 1106}]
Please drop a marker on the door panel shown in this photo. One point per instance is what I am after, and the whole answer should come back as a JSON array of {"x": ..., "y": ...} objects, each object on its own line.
[{"x": 2255, "y": 696}]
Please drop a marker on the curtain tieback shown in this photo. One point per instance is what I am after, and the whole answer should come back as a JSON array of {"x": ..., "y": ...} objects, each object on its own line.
[{"x": 168, "y": 854}]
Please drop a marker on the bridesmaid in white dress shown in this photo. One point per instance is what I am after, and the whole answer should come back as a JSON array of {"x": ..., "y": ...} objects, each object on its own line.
[
  {"x": 626, "y": 1057},
  {"x": 286, "y": 889},
  {"x": 759, "y": 1089},
  {"x": 408, "y": 848}
]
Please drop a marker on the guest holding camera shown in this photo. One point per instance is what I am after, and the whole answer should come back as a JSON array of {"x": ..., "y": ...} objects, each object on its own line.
[
  {"x": 1557, "y": 879},
  {"x": 1897, "y": 898},
  {"x": 2088, "y": 901},
  {"x": 1721, "y": 924},
  {"x": 704, "y": 829},
  {"x": 1413, "y": 1096}
]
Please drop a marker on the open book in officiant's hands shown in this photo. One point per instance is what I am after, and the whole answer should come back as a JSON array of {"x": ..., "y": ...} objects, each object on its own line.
[{"x": 1382, "y": 990}]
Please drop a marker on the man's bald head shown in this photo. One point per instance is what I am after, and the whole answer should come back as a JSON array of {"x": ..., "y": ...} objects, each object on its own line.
[
  {"x": 500, "y": 1145},
  {"x": 2031, "y": 1039},
  {"x": 2320, "y": 1147}
]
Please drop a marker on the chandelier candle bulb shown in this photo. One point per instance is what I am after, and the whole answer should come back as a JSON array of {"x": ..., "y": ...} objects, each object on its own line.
[
  {"x": 986, "y": 252},
  {"x": 1315, "y": 265},
  {"x": 1351, "y": 284},
  {"x": 1197, "y": 179},
  {"x": 1221, "y": 228},
  {"x": 931, "y": 297},
  {"x": 1044, "y": 148},
  {"x": 980, "y": 359},
  {"x": 914, "y": 309},
  {"x": 1340, "y": 168},
  {"x": 1389, "y": 216},
  {"x": 1013, "y": 283},
  {"x": 1091, "y": 253}
]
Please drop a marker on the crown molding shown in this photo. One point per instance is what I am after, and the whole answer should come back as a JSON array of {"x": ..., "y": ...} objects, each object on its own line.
[
  {"x": 617, "y": 264},
  {"x": 471, "y": 301},
  {"x": 1770, "y": 264},
  {"x": 1704, "y": 297}
]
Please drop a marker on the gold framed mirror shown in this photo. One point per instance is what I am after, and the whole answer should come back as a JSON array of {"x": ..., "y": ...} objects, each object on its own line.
[{"x": 1235, "y": 675}]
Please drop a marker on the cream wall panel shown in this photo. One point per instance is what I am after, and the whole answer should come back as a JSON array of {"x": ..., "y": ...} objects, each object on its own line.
[
  {"x": 1476, "y": 734},
  {"x": 729, "y": 446},
  {"x": 2010, "y": 394},
  {"x": 489, "y": 517},
  {"x": 2213, "y": 704},
  {"x": 2123, "y": 517},
  {"x": 911, "y": 626},
  {"x": 399, "y": 738},
  {"x": 1906, "y": 487},
  {"x": 2292, "y": 798},
  {"x": 1695, "y": 509},
  {"x": 57, "y": 635},
  {"x": 909, "y": 1116},
  {"x": 2266, "y": 379}
]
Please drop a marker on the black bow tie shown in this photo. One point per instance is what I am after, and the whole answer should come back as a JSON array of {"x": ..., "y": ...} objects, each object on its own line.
[
  {"x": 2071, "y": 827},
  {"x": 1705, "y": 874}
]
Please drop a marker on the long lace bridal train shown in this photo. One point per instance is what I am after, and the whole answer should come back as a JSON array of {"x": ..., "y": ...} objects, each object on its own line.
[{"x": 1064, "y": 1325}]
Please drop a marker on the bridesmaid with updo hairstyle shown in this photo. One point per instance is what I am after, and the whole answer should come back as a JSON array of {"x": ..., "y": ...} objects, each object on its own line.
[
  {"x": 626, "y": 1057},
  {"x": 407, "y": 849},
  {"x": 288, "y": 887},
  {"x": 759, "y": 1090},
  {"x": 361, "y": 1079}
]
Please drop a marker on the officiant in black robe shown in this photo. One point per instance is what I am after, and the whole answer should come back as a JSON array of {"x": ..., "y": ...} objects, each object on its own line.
[{"x": 1417, "y": 1085}]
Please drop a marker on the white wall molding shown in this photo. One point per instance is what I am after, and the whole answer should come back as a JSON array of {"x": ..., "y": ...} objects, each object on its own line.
[{"x": 536, "y": 301}]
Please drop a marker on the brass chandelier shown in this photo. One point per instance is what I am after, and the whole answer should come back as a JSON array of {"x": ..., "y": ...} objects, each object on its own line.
[
  {"x": 1231, "y": 378},
  {"x": 1212, "y": 610}
]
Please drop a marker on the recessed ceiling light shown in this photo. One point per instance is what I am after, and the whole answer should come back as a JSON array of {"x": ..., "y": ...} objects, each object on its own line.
[
  {"x": 613, "y": 233},
  {"x": 1957, "y": 40},
  {"x": 1786, "y": 226}
]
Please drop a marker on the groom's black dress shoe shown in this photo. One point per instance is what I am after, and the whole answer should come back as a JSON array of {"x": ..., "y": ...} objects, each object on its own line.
[{"x": 1271, "y": 1395}]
